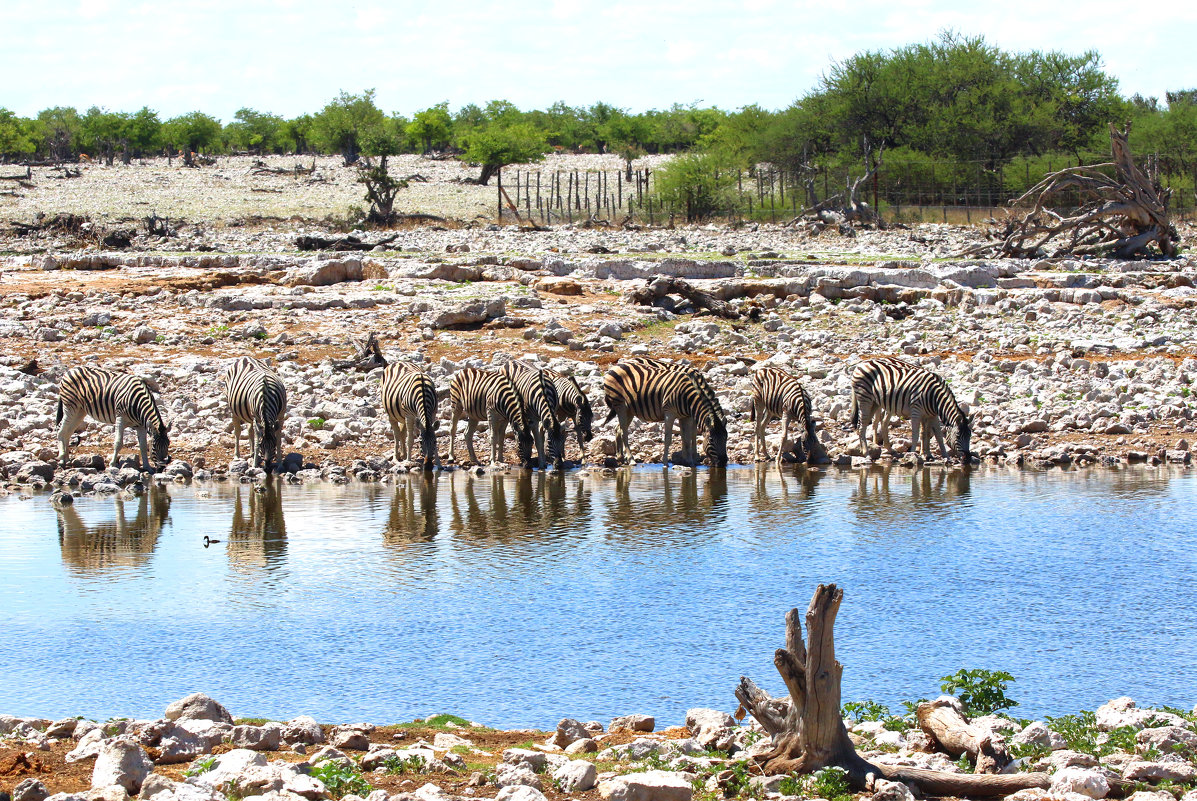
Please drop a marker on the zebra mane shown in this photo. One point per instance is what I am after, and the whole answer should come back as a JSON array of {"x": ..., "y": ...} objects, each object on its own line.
[{"x": 710, "y": 401}]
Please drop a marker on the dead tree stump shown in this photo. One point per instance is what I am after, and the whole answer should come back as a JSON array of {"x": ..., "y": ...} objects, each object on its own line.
[{"x": 808, "y": 731}]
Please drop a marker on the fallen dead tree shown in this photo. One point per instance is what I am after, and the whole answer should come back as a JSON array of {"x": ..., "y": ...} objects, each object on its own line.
[
  {"x": 350, "y": 242},
  {"x": 1122, "y": 214},
  {"x": 808, "y": 732},
  {"x": 368, "y": 357},
  {"x": 261, "y": 168},
  {"x": 656, "y": 288},
  {"x": 843, "y": 209}
]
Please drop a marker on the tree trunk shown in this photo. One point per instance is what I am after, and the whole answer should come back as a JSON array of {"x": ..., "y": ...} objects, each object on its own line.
[
  {"x": 808, "y": 731},
  {"x": 943, "y": 720}
]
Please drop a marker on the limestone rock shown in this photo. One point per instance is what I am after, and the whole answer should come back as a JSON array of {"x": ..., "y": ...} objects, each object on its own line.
[
  {"x": 653, "y": 785},
  {"x": 198, "y": 706},
  {"x": 121, "y": 761},
  {"x": 576, "y": 776},
  {"x": 645, "y": 723},
  {"x": 1089, "y": 783}
]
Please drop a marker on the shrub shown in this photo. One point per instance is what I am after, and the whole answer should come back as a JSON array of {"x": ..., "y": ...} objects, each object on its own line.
[
  {"x": 699, "y": 184},
  {"x": 982, "y": 692}
]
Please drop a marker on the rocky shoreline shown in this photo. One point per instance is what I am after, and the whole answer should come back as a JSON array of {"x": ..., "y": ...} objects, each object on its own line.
[
  {"x": 197, "y": 751},
  {"x": 1066, "y": 362}
]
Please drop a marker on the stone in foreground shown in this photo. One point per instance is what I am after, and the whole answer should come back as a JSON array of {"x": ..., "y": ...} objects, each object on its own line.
[{"x": 653, "y": 785}]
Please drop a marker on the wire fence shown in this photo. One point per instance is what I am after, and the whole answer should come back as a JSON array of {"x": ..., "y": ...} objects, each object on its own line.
[{"x": 916, "y": 191}]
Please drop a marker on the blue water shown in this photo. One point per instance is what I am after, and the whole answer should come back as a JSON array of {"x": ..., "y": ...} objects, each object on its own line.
[{"x": 518, "y": 599}]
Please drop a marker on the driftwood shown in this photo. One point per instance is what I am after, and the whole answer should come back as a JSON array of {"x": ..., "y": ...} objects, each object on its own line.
[
  {"x": 261, "y": 168},
  {"x": 944, "y": 722},
  {"x": 368, "y": 357},
  {"x": 156, "y": 226},
  {"x": 657, "y": 288},
  {"x": 1122, "y": 215},
  {"x": 350, "y": 242},
  {"x": 807, "y": 730}
]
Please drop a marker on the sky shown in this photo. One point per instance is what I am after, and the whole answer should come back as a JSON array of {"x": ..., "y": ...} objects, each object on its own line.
[{"x": 292, "y": 56}]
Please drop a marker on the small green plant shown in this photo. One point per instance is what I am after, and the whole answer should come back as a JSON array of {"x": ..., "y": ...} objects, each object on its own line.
[
  {"x": 1030, "y": 752},
  {"x": 793, "y": 784},
  {"x": 861, "y": 711},
  {"x": 1079, "y": 731},
  {"x": 221, "y": 330},
  {"x": 982, "y": 692},
  {"x": 831, "y": 784},
  {"x": 200, "y": 766},
  {"x": 964, "y": 763},
  {"x": 340, "y": 779},
  {"x": 316, "y": 423},
  {"x": 740, "y": 785},
  {"x": 160, "y": 338},
  {"x": 409, "y": 764}
]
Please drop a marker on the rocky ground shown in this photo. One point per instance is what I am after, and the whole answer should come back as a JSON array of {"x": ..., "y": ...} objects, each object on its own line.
[
  {"x": 198, "y": 752},
  {"x": 1066, "y": 362}
]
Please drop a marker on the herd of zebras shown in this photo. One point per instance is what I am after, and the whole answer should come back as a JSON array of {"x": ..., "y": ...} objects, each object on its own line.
[{"x": 536, "y": 404}]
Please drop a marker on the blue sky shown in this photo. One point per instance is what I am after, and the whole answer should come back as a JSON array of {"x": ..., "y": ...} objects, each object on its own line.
[{"x": 291, "y": 56}]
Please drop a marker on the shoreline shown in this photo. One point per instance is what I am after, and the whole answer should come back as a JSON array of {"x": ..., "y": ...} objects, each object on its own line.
[{"x": 198, "y": 750}]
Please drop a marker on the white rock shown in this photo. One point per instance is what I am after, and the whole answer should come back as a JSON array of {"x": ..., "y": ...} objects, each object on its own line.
[
  {"x": 121, "y": 761},
  {"x": 1090, "y": 783},
  {"x": 884, "y": 790},
  {"x": 198, "y": 707},
  {"x": 576, "y": 776},
  {"x": 653, "y": 785},
  {"x": 519, "y": 793}
]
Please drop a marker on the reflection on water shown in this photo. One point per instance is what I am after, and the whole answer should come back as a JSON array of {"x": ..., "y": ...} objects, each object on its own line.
[
  {"x": 116, "y": 542},
  {"x": 258, "y": 534},
  {"x": 520, "y": 597}
]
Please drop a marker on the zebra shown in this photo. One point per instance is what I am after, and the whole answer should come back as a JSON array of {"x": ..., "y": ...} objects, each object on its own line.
[
  {"x": 409, "y": 398},
  {"x": 574, "y": 405},
  {"x": 541, "y": 405},
  {"x": 256, "y": 395},
  {"x": 893, "y": 386},
  {"x": 488, "y": 395},
  {"x": 776, "y": 393},
  {"x": 656, "y": 391},
  {"x": 113, "y": 398}
]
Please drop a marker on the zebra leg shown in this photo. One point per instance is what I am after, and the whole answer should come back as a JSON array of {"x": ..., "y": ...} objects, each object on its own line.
[
  {"x": 453, "y": 434},
  {"x": 881, "y": 430},
  {"x": 70, "y": 422},
  {"x": 538, "y": 437},
  {"x": 118, "y": 441},
  {"x": 397, "y": 434},
  {"x": 937, "y": 429},
  {"x": 145, "y": 453},
  {"x": 915, "y": 434},
  {"x": 471, "y": 427},
  {"x": 623, "y": 450},
  {"x": 236, "y": 439},
  {"x": 863, "y": 420},
  {"x": 785, "y": 434},
  {"x": 412, "y": 427},
  {"x": 667, "y": 456},
  {"x": 498, "y": 433}
]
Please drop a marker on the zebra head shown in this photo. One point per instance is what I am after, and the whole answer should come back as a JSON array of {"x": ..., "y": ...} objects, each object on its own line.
[
  {"x": 717, "y": 444},
  {"x": 160, "y": 456},
  {"x": 271, "y": 439},
  {"x": 428, "y": 443},
  {"x": 960, "y": 435},
  {"x": 523, "y": 437}
]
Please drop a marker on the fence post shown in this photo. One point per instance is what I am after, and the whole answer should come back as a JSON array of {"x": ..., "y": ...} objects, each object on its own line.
[{"x": 499, "y": 192}]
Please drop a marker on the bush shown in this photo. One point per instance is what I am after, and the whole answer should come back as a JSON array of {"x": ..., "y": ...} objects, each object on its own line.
[
  {"x": 982, "y": 692},
  {"x": 699, "y": 184}
]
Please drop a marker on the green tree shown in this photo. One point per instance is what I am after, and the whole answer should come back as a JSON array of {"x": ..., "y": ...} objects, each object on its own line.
[
  {"x": 297, "y": 133},
  {"x": 143, "y": 131},
  {"x": 700, "y": 185},
  {"x": 432, "y": 128},
  {"x": 496, "y": 145},
  {"x": 59, "y": 128},
  {"x": 17, "y": 136},
  {"x": 255, "y": 131},
  {"x": 104, "y": 132},
  {"x": 195, "y": 132},
  {"x": 342, "y": 123}
]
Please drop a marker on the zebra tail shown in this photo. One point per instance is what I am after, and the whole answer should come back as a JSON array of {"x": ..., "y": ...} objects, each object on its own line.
[
  {"x": 854, "y": 423},
  {"x": 58, "y": 414}
]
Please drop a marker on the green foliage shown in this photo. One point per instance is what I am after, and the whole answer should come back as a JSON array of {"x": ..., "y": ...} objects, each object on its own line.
[
  {"x": 860, "y": 711},
  {"x": 258, "y": 132},
  {"x": 432, "y": 127},
  {"x": 316, "y": 423},
  {"x": 410, "y": 764},
  {"x": 59, "y": 129},
  {"x": 982, "y": 692},
  {"x": 499, "y": 143},
  {"x": 17, "y": 136},
  {"x": 196, "y": 132},
  {"x": 1030, "y": 752},
  {"x": 829, "y": 783},
  {"x": 698, "y": 185},
  {"x": 341, "y": 779},
  {"x": 201, "y": 766},
  {"x": 346, "y": 122}
]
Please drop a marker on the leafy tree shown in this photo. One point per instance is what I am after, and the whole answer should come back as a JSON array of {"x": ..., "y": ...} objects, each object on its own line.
[
  {"x": 297, "y": 133},
  {"x": 17, "y": 136},
  {"x": 432, "y": 128},
  {"x": 982, "y": 692},
  {"x": 496, "y": 145},
  {"x": 738, "y": 138},
  {"x": 343, "y": 123},
  {"x": 195, "y": 132},
  {"x": 59, "y": 132},
  {"x": 255, "y": 131},
  {"x": 143, "y": 130},
  {"x": 701, "y": 184},
  {"x": 104, "y": 132}
]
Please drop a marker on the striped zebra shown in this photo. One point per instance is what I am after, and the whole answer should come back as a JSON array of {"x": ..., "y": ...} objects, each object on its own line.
[
  {"x": 656, "y": 391},
  {"x": 487, "y": 395},
  {"x": 256, "y": 395},
  {"x": 573, "y": 405},
  {"x": 540, "y": 402},
  {"x": 891, "y": 386},
  {"x": 776, "y": 393},
  {"x": 409, "y": 398},
  {"x": 113, "y": 398}
]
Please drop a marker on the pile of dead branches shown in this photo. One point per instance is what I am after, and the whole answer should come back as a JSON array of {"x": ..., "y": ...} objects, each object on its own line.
[
  {"x": 260, "y": 167},
  {"x": 1123, "y": 214},
  {"x": 843, "y": 210}
]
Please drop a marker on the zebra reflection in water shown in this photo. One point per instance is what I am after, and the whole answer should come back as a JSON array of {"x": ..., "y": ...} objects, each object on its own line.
[
  {"x": 258, "y": 534},
  {"x": 119, "y": 543}
]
